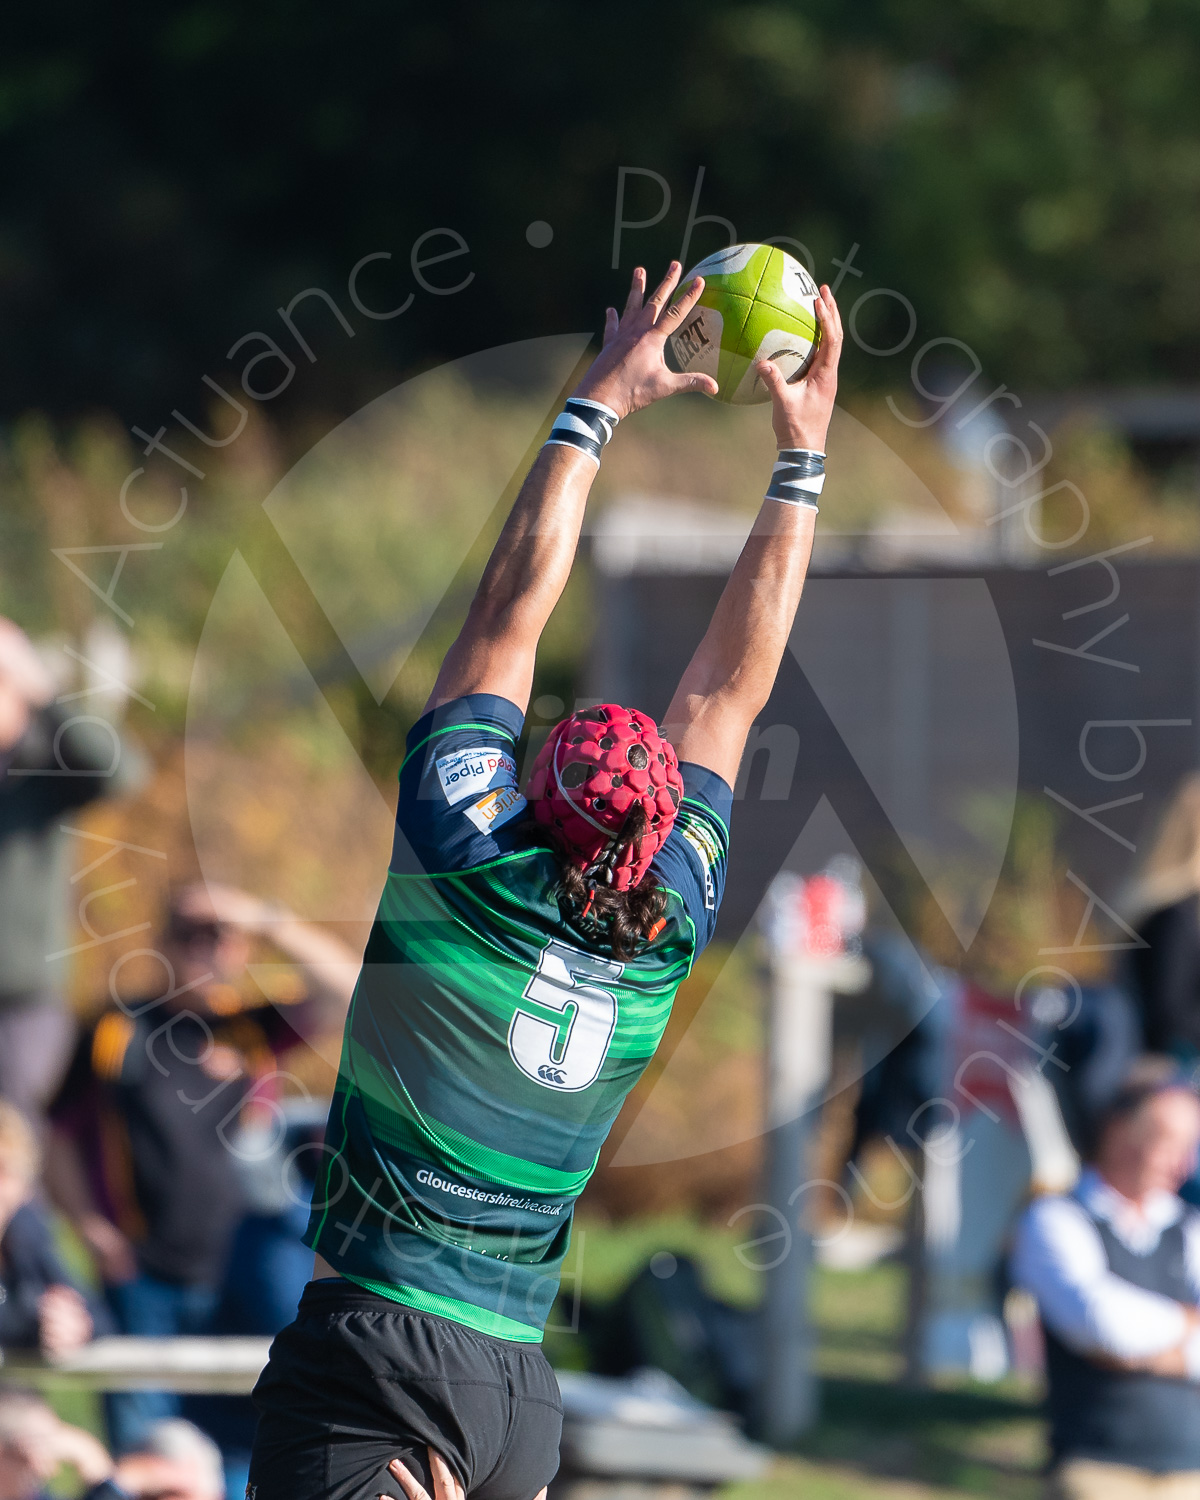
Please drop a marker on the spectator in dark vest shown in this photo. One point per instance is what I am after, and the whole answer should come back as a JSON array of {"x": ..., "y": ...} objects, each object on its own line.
[{"x": 1114, "y": 1267}]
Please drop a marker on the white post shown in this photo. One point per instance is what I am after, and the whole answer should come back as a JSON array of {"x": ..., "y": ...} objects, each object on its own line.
[{"x": 799, "y": 1044}]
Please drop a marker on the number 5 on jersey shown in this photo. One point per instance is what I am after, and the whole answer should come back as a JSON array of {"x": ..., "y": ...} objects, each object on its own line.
[{"x": 562, "y": 1028}]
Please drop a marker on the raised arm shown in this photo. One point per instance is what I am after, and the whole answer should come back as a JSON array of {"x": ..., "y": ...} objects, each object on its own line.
[
  {"x": 730, "y": 677},
  {"x": 530, "y": 564}
]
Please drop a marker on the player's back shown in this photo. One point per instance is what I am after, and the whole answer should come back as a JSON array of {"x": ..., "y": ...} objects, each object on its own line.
[{"x": 490, "y": 1044}]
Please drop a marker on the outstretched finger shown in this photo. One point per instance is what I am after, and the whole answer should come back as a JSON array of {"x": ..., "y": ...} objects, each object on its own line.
[
  {"x": 680, "y": 308},
  {"x": 409, "y": 1482},
  {"x": 662, "y": 292},
  {"x": 835, "y": 312},
  {"x": 829, "y": 350},
  {"x": 825, "y": 310},
  {"x": 445, "y": 1485},
  {"x": 637, "y": 290},
  {"x": 611, "y": 324},
  {"x": 772, "y": 377}
]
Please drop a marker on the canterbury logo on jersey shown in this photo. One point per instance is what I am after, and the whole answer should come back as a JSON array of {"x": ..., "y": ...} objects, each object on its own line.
[{"x": 467, "y": 773}]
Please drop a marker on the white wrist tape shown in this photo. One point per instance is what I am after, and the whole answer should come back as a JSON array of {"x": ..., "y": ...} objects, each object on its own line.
[
  {"x": 583, "y": 424},
  {"x": 798, "y": 477}
]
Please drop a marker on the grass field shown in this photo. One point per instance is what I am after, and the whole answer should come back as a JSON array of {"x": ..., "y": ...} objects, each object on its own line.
[{"x": 875, "y": 1437}]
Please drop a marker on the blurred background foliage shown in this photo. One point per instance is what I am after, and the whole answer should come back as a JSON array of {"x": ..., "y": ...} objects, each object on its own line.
[{"x": 1027, "y": 172}]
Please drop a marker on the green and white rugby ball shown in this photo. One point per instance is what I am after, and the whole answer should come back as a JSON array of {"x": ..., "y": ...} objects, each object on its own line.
[{"x": 757, "y": 303}]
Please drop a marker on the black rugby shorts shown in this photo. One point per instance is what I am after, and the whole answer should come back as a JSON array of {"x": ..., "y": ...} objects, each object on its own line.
[{"x": 358, "y": 1380}]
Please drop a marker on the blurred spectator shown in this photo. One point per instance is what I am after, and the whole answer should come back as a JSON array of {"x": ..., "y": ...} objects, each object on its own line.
[
  {"x": 52, "y": 760},
  {"x": 1114, "y": 1267},
  {"x": 40, "y": 1306},
  {"x": 1164, "y": 908},
  {"x": 180, "y": 1452},
  {"x": 901, "y": 1023},
  {"x": 1097, "y": 1036},
  {"x": 178, "y": 1462},
  {"x": 143, "y": 1133},
  {"x": 34, "y": 1444}
]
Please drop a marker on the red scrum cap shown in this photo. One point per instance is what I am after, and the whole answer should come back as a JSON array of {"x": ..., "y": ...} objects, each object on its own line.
[{"x": 592, "y": 772}]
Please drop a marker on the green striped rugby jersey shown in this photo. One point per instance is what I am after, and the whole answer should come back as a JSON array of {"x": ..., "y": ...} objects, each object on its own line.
[{"x": 489, "y": 1046}]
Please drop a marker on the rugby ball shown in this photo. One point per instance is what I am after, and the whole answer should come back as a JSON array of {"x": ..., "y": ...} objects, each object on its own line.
[{"x": 757, "y": 303}]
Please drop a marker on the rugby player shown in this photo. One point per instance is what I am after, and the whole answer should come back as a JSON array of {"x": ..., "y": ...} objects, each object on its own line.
[{"x": 519, "y": 975}]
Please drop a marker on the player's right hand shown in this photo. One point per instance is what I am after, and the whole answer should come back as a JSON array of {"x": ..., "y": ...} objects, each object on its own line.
[
  {"x": 801, "y": 411},
  {"x": 445, "y": 1486},
  {"x": 630, "y": 371}
]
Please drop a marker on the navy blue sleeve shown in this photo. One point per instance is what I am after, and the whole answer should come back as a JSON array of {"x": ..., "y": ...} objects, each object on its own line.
[
  {"x": 458, "y": 786},
  {"x": 693, "y": 861}
]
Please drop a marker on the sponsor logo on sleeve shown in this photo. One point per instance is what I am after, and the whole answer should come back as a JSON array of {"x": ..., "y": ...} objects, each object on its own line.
[
  {"x": 496, "y": 808},
  {"x": 466, "y": 773},
  {"x": 706, "y": 849}
]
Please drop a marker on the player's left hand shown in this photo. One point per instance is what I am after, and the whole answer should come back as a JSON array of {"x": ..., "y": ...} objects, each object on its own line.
[
  {"x": 801, "y": 411},
  {"x": 630, "y": 371}
]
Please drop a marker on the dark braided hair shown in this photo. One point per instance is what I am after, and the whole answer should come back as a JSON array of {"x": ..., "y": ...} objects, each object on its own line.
[{"x": 622, "y": 920}]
